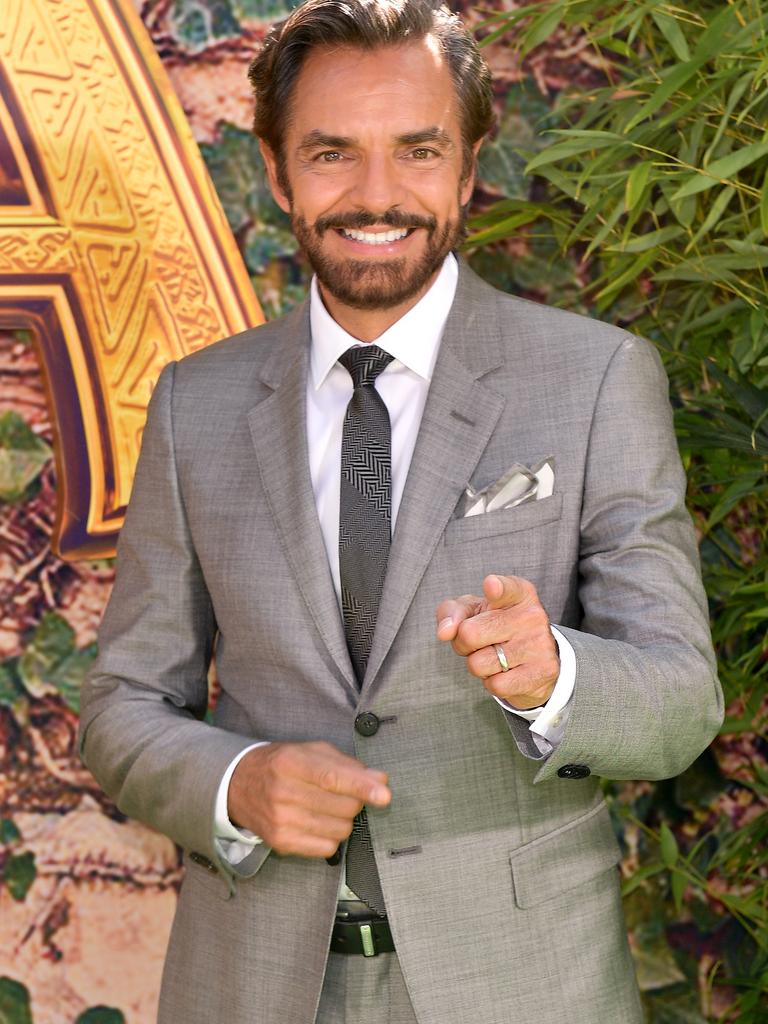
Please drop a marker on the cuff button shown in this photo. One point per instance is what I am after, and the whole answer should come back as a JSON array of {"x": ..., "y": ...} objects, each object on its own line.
[{"x": 573, "y": 771}]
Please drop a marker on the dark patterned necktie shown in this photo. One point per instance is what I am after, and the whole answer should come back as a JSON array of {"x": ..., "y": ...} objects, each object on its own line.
[{"x": 365, "y": 518}]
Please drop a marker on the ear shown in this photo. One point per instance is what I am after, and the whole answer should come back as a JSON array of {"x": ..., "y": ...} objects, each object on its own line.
[
  {"x": 278, "y": 193},
  {"x": 469, "y": 183}
]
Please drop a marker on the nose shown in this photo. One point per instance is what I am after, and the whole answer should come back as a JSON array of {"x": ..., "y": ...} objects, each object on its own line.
[{"x": 377, "y": 186}]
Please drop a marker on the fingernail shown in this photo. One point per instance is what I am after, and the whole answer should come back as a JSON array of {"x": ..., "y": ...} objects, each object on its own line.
[
  {"x": 379, "y": 794},
  {"x": 445, "y": 622}
]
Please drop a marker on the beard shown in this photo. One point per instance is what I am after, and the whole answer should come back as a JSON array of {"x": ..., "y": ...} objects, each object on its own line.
[{"x": 377, "y": 284}]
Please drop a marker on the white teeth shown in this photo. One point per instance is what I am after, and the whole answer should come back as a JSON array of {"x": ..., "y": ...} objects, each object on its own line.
[{"x": 376, "y": 237}]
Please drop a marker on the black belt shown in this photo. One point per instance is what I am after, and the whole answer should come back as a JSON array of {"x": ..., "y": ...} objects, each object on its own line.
[{"x": 358, "y": 930}]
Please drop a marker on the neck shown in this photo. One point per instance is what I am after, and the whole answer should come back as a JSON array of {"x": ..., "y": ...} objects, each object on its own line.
[{"x": 369, "y": 324}]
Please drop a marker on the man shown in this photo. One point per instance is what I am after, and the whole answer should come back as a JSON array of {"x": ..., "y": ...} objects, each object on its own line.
[{"x": 396, "y": 814}]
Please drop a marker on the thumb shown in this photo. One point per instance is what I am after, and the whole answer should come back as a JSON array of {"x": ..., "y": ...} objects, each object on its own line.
[{"x": 505, "y": 591}]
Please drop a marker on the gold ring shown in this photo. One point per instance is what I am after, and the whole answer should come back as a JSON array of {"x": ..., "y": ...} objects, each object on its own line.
[{"x": 502, "y": 657}]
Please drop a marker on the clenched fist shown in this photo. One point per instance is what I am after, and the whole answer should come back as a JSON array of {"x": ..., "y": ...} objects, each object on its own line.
[{"x": 301, "y": 798}]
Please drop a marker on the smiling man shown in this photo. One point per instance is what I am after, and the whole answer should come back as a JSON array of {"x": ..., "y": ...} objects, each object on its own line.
[{"x": 436, "y": 537}]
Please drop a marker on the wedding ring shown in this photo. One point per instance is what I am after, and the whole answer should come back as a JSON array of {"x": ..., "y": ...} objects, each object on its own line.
[{"x": 502, "y": 657}]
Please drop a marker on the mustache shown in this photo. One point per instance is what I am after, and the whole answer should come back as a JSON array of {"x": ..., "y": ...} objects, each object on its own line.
[{"x": 359, "y": 220}]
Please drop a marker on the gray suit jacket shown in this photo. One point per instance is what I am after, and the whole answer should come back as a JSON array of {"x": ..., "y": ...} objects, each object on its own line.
[{"x": 499, "y": 872}]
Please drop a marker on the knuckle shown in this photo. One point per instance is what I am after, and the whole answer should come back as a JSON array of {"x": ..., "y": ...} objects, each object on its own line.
[
  {"x": 476, "y": 663},
  {"x": 328, "y": 779}
]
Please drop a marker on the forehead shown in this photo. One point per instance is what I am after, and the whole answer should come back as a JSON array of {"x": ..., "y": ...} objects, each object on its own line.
[{"x": 347, "y": 91}]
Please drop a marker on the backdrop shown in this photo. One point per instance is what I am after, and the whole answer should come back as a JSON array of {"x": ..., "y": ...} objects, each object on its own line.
[{"x": 135, "y": 226}]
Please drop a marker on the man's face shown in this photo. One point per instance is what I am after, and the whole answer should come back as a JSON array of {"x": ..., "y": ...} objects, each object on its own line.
[{"x": 373, "y": 171}]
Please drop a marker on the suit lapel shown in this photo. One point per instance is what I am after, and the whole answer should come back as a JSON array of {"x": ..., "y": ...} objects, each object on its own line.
[
  {"x": 459, "y": 417},
  {"x": 278, "y": 428}
]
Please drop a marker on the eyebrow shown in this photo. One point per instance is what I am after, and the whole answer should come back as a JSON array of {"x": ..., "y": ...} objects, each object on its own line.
[{"x": 317, "y": 138}]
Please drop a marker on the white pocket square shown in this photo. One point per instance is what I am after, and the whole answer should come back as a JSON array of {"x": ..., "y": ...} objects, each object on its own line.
[{"x": 517, "y": 486}]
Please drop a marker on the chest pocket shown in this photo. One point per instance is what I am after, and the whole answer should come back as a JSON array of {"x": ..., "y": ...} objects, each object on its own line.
[{"x": 505, "y": 520}]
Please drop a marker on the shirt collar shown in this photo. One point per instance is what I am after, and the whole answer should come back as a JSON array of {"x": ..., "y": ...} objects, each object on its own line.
[{"x": 414, "y": 339}]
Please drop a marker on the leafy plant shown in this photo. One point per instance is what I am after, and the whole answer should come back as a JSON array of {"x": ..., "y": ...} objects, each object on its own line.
[
  {"x": 655, "y": 183},
  {"x": 22, "y": 456}
]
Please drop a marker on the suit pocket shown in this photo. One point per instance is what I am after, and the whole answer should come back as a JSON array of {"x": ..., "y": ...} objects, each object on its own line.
[
  {"x": 506, "y": 520},
  {"x": 565, "y": 858}
]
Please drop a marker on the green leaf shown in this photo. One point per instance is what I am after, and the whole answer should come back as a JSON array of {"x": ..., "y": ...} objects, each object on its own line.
[
  {"x": 650, "y": 241},
  {"x": 669, "y": 851},
  {"x": 639, "y": 876},
  {"x": 101, "y": 1015},
  {"x": 679, "y": 882},
  {"x": 673, "y": 80},
  {"x": 22, "y": 456},
  {"x": 583, "y": 142},
  {"x": 717, "y": 210},
  {"x": 504, "y": 229},
  {"x": 542, "y": 27},
  {"x": 764, "y": 204},
  {"x": 636, "y": 182},
  {"x": 14, "y": 1002},
  {"x": 52, "y": 664},
  {"x": 19, "y": 873},
  {"x": 670, "y": 29},
  {"x": 52, "y": 642},
  {"x": 720, "y": 170},
  {"x": 9, "y": 833}
]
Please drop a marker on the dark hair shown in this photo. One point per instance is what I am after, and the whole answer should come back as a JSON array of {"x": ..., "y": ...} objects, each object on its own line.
[{"x": 367, "y": 25}]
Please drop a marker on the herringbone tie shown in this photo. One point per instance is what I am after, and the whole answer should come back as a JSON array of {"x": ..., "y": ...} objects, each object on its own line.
[{"x": 365, "y": 517}]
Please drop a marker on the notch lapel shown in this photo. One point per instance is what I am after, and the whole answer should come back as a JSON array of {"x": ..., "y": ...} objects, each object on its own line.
[
  {"x": 278, "y": 428},
  {"x": 459, "y": 417}
]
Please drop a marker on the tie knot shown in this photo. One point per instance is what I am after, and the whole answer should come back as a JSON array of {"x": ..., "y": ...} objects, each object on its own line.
[{"x": 364, "y": 363}]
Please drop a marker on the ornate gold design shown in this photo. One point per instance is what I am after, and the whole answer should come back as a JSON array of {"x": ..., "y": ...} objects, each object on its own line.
[{"x": 114, "y": 249}]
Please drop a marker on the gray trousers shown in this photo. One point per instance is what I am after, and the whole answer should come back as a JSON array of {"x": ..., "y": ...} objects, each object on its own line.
[{"x": 364, "y": 990}]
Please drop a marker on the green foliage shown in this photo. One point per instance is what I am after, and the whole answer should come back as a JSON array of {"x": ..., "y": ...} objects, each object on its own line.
[
  {"x": 51, "y": 665},
  {"x": 101, "y": 1015},
  {"x": 14, "y": 1002},
  {"x": 262, "y": 229},
  {"x": 654, "y": 186},
  {"x": 19, "y": 872},
  {"x": 22, "y": 456}
]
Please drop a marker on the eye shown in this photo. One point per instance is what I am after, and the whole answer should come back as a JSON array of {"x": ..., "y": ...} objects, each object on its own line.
[
  {"x": 422, "y": 153},
  {"x": 329, "y": 156}
]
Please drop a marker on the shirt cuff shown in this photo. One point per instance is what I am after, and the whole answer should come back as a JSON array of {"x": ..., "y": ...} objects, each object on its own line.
[
  {"x": 548, "y": 721},
  {"x": 234, "y": 844}
]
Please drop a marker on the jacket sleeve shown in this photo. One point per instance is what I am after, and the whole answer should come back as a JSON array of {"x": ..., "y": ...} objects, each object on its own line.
[
  {"x": 646, "y": 698},
  {"x": 142, "y": 732}
]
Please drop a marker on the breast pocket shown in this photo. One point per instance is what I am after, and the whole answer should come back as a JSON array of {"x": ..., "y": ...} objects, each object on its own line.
[{"x": 506, "y": 520}]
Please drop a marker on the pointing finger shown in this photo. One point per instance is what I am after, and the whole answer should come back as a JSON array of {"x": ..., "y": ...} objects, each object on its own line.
[{"x": 451, "y": 614}]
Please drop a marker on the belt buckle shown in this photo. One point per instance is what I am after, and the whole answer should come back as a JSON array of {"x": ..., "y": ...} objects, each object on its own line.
[{"x": 366, "y": 937}]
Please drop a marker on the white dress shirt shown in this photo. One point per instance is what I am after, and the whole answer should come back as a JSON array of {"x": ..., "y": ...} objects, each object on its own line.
[{"x": 414, "y": 342}]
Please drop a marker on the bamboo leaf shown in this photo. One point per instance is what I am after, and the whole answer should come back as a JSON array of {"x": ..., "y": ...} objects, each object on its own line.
[
  {"x": 649, "y": 241},
  {"x": 542, "y": 28},
  {"x": 670, "y": 853},
  {"x": 582, "y": 143},
  {"x": 716, "y": 212},
  {"x": 636, "y": 182},
  {"x": 722, "y": 169},
  {"x": 764, "y": 204},
  {"x": 670, "y": 29},
  {"x": 679, "y": 882}
]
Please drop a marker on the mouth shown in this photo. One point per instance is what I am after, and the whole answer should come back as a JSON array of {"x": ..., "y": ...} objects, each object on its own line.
[{"x": 386, "y": 237}]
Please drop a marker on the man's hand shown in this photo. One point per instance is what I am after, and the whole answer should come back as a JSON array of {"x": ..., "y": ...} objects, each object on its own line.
[
  {"x": 510, "y": 614},
  {"x": 301, "y": 798}
]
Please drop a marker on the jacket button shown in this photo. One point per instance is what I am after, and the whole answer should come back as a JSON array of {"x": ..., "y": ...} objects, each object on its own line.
[
  {"x": 367, "y": 724},
  {"x": 573, "y": 771}
]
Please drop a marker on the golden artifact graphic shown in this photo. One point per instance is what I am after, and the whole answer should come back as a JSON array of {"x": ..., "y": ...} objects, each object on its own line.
[{"x": 114, "y": 249}]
